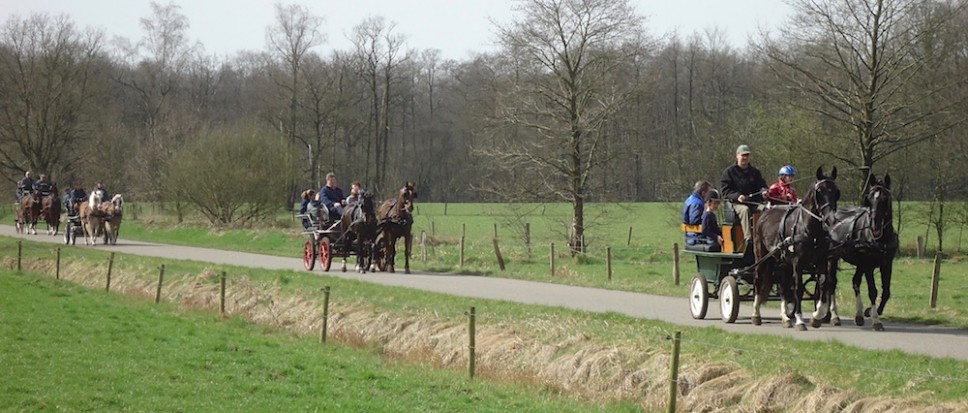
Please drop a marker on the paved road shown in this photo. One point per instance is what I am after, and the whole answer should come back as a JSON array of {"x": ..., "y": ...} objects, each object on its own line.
[{"x": 917, "y": 339}]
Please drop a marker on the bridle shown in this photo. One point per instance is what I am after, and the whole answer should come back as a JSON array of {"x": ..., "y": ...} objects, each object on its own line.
[
  {"x": 824, "y": 211},
  {"x": 878, "y": 224}
]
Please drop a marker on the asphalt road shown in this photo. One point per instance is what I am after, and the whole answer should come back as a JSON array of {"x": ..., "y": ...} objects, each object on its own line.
[{"x": 931, "y": 341}]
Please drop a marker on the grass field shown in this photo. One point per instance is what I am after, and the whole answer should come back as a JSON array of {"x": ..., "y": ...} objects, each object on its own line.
[
  {"x": 68, "y": 348},
  {"x": 628, "y": 343}
]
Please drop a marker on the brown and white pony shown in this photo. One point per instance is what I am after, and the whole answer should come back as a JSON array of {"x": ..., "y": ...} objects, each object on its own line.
[
  {"x": 395, "y": 222},
  {"x": 28, "y": 213},
  {"x": 112, "y": 214},
  {"x": 50, "y": 209},
  {"x": 358, "y": 224}
]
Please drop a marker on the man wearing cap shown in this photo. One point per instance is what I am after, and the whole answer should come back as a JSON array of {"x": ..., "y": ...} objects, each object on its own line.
[{"x": 743, "y": 186}]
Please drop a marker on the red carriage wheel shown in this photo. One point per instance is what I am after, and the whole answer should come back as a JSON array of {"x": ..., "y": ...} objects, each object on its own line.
[
  {"x": 325, "y": 254},
  {"x": 309, "y": 254}
]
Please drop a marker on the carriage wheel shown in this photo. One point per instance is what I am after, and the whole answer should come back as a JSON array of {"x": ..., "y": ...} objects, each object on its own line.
[
  {"x": 325, "y": 254},
  {"x": 309, "y": 255},
  {"x": 698, "y": 297},
  {"x": 729, "y": 299},
  {"x": 381, "y": 253}
]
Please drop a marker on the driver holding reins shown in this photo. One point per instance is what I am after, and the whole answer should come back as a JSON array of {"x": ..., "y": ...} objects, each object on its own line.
[{"x": 744, "y": 187}]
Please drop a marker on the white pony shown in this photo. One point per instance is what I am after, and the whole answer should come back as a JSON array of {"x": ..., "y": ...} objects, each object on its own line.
[{"x": 91, "y": 217}]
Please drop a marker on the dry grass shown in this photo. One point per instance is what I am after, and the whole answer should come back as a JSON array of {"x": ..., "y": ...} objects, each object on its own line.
[{"x": 568, "y": 361}]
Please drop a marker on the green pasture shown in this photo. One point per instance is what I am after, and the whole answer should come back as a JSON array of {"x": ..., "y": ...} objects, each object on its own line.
[
  {"x": 898, "y": 374},
  {"x": 640, "y": 263},
  {"x": 68, "y": 348}
]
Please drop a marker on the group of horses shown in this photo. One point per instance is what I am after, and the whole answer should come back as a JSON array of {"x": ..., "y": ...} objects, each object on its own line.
[
  {"x": 33, "y": 207},
  {"x": 376, "y": 230},
  {"x": 814, "y": 236},
  {"x": 98, "y": 217}
]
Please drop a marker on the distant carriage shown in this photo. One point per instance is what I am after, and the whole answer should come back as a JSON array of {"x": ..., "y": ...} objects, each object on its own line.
[{"x": 343, "y": 236}]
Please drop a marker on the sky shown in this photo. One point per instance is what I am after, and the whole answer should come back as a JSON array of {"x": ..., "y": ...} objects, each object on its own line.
[{"x": 459, "y": 28}]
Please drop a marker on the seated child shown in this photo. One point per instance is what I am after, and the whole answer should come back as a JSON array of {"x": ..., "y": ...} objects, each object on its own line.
[
  {"x": 712, "y": 235},
  {"x": 781, "y": 193}
]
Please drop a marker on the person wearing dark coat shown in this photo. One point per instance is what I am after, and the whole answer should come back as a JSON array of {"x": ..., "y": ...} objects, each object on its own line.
[
  {"x": 25, "y": 186},
  {"x": 332, "y": 196},
  {"x": 744, "y": 187}
]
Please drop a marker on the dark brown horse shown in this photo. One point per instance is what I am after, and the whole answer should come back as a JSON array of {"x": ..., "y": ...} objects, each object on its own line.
[
  {"x": 395, "y": 222},
  {"x": 789, "y": 241},
  {"x": 865, "y": 238},
  {"x": 29, "y": 213},
  {"x": 358, "y": 223},
  {"x": 50, "y": 207}
]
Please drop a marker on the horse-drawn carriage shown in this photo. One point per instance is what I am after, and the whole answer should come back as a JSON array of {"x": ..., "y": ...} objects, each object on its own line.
[
  {"x": 787, "y": 260},
  {"x": 359, "y": 232}
]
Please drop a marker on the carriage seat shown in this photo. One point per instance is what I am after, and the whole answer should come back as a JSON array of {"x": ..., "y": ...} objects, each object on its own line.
[{"x": 698, "y": 247}]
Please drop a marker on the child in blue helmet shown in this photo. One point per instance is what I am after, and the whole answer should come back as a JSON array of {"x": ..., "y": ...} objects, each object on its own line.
[{"x": 782, "y": 193}]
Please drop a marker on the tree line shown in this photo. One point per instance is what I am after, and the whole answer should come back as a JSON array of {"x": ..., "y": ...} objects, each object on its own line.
[{"x": 578, "y": 104}]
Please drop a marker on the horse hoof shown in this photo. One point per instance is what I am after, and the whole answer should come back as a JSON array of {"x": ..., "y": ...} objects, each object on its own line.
[
  {"x": 835, "y": 321},
  {"x": 756, "y": 320},
  {"x": 867, "y": 312},
  {"x": 815, "y": 323},
  {"x": 786, "y": 323},
  {"x": 878, "y": 327},
  {"x": 859, "y": 321},
  {"x": 406, "y": 271},
  {"x": 801, "y": 327}
]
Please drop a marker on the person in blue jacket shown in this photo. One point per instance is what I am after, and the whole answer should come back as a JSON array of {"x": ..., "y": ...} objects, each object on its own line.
[
  {"x": 332, "y": 196},
  {"x": 693, "y": 208}
]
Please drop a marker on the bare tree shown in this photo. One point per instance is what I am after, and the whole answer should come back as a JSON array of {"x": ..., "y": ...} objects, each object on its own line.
[
  {"x": 47, "y": 85},
  {"x": 295, "y": 33},
  {"x": 561, "y": 92},
  {"x": 856, "y": 62}
]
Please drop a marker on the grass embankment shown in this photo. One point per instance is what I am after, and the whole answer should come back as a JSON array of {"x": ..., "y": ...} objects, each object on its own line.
[
  {"x": 602, "y": 357},
  {"x": 69, "y": 348},
  {"x": 642, "y": 263}
]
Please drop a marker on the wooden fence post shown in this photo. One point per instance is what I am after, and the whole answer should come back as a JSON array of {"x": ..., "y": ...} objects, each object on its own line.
[
  {"x": 57, "y": 271},
  {"x": 462, "y": 251},
  {"x": 445, "y": 209},
  {"x": 674, "y": 373},
  {"x": 552, "y": 259},
  {"x": 423, "y": 246},
  {"x": 629, "y": 242},
  {"x": 527, "y": 237},
  {"x": 497, "y": 251},
  {"x": 20, "y": 253},
  {"x": 161, "y": 278},
  {"x": 608, "y": 260},
  {"x": 495, "y": 230},
  {"x": 471, "y": 341},
  {"x": 675, "y": 263},
  {"x": 221, "y": 294},
  {"x": 935, "y": 279},
  {"x": 920, "y": 246},
  {"x": 107, "y": 287},
  {"x": 325, "y": 324}
]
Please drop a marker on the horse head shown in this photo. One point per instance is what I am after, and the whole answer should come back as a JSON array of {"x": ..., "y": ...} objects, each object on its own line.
[
  {"x": 878, "y": 199},
  {"x": 118, "y": 202},
  {"x": 407, "y": 194},
  {"x": 822, "y": 199},
  {"x": 95, "y": 199},
  {"x": 366, "y": 206}
]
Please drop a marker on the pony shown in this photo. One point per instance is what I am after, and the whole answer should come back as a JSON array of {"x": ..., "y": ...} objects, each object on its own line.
[
  {"x": 791, "y": 240},
  {"x": 91, "y": 217},
  {"x": 112, "y": 213},
  {"x": 50, "y": 207},
  {"x": 396, "y": 221},
  {"x": 359, "y": 223},
  {"x": 29, "y": 213},
  {"x": 865, "y": 238}
]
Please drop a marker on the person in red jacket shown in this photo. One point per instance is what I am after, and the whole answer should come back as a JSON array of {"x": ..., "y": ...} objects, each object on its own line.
[{"x": 781, "y": 193}]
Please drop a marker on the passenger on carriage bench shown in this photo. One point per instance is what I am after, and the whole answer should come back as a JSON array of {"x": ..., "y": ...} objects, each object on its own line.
[
  {"x": 743, "y": 186},
  {"x": 309, "y": 205},
  {"x": 355, "y": 189},
  {"x": 74, "y": 197},
  {"x": 781, "y": 193},
  {"x": 692, "y": 210},
  {"x": 42, "y": 186},
  {"x": 25, "y": 186},
  {"x": 332, "y": 196},
  {"x": 712, "y": 235}
]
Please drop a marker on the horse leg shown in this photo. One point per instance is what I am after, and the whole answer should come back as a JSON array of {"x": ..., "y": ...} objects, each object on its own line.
[
  {"x": 832, "y": 273},
  {"x": 785, "y": 291},
  {"x": 824, "y": 298},
  {"x": 762, "y": 280},
  {"x": 859, "y": 315},
  {"x": 798, "y": 291},
  {"x": 346, "y": 248},
  {"x": 886, "y": 285},
  {"x": 407, "y": 243},
  {"x": 391, "y": 253}
]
